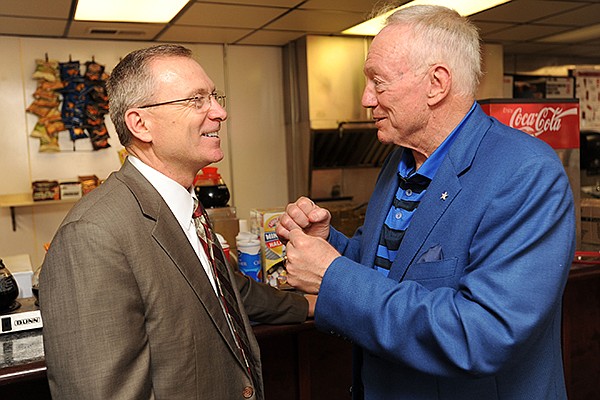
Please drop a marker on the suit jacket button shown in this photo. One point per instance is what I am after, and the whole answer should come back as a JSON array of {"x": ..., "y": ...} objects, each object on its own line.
[{"x": 248, "y": 392}]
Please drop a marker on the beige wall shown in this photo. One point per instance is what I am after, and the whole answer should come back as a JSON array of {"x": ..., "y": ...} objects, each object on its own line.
[
  {"x": 492, "y": 58},
  {"x": 253, "y": 137}
]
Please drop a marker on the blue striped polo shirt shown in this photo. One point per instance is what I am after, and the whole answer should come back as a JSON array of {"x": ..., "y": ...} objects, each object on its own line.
[{"x": 412, "y": 185}]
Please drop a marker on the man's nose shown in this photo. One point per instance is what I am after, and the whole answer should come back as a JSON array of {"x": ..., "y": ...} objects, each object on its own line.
[{"x": 369, "y": 100}]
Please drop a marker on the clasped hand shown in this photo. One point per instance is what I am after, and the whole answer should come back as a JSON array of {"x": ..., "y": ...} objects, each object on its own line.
[{"x": 304, "y": 228}]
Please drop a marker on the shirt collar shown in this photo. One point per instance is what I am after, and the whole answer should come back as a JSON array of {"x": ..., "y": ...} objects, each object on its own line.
[
  {"x": 179, "y": 199},
  {"x": 433, "y": 162}
]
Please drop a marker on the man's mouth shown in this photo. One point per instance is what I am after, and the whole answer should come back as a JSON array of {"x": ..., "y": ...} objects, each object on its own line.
[{"x": 211, "y": 134}]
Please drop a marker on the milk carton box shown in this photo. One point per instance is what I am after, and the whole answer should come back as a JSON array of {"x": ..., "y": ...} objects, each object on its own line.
[{"x": 263, "y": 223}]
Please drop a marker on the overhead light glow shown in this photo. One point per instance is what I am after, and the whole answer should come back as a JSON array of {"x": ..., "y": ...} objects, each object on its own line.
[
  {"x": 577, "y": 35},
  {"x": 149, "y": 11},
  {"x": 463, "y": 7}
]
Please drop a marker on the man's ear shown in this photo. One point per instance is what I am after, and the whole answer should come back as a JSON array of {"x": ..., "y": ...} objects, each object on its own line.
[
  {"x": 440, "y": 80},
  {"x": 138, "y": 124}
]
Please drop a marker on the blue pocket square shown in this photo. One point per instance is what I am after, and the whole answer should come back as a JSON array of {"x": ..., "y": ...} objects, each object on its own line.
[{"x": 433, "y": 254}]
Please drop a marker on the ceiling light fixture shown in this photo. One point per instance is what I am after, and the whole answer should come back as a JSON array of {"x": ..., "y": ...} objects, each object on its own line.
[
  {"x": 463, "y": 7},
  {"x": 148, "y": 11}
]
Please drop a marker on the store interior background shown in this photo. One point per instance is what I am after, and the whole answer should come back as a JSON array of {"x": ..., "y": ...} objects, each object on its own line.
[{"x": 240, "y": 45}]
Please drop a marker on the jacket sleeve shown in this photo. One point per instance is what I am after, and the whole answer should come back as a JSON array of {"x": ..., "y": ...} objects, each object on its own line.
[
  {"x": 268, "y": 305},
  {"x": 84, "y": 263}
]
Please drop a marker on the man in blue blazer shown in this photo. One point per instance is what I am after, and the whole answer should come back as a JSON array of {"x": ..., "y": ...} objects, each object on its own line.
[{"x": 452, "y": 287}]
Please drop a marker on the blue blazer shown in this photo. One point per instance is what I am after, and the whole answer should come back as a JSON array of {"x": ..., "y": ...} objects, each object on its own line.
[{"x": 471, "y": 308}]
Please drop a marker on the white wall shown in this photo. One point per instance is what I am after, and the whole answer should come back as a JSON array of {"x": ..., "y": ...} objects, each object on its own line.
[
  {"x": 253, "y": 137},
  {"x": 256, "y": 124}
]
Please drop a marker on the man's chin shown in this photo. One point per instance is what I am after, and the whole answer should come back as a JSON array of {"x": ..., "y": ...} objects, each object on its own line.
[{"x": 384, "y": 138}]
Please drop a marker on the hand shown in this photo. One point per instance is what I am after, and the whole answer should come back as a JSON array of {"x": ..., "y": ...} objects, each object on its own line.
[
  {"x": 306, "y": 215},
  {"x": 312, "y": 302},
  {"x": 308, "y": 258}
]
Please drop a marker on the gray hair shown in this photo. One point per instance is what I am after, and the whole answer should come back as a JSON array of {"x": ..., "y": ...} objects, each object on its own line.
[
  {"x": 131, "y": 83},
  {"x": 441, "y": 35}
]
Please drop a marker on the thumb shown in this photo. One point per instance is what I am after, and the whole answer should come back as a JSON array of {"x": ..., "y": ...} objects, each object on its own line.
[
  {"x": 318, "y": 215},
  {"x": 295, "y": 234}
]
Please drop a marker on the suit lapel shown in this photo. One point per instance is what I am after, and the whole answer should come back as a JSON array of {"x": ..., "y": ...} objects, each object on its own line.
[
  {"x": 380, "y": 203},
  {"x": 442, "y": 191},
  {"x": 168, "y": 234},
  {"x": 439, "y": 197}
]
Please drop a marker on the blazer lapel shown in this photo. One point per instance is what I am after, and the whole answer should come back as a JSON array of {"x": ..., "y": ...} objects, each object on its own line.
[
  {"x": 439, "y": 196},
  {"x": 442, "y": 191},
  {"x": 380, "y": 203},
  {"x": 168, "y": 234}
]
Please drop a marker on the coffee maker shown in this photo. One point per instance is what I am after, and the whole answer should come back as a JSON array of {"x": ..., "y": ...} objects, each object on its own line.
[{"x": 16, "y": 315}]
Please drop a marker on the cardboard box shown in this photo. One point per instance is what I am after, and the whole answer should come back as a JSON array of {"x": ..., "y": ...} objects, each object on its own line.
[
  {"x": 88, "y": 183},
  {"x": 263, "y": 223},
  {"x": 45, "y": 190},
  {"x": 224, "y": 220},
  {"x": 590, "y": 221},
  {"x": 70, "y": 190}
]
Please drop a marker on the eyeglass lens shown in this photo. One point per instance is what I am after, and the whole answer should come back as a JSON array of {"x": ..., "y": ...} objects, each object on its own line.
[{"x": 201, "y": 101}]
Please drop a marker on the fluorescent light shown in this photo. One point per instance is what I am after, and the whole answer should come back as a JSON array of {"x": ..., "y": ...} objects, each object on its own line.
[
  {"x": 150, "y": 11},
  {"x": 463, "y": 7},
  {"x": 577, "y": 35}
]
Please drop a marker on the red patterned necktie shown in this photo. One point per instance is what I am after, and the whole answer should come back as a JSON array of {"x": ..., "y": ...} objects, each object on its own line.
[{"x": 225, "y": 292}]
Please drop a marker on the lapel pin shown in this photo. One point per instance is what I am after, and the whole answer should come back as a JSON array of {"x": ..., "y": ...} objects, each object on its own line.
[{"x": 444, "y": 196}]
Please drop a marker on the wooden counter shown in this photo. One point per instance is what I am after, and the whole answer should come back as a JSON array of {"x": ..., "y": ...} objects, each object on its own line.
[
  {"x": 581, "y": 332},
  {"x": 301, "y": 363}
]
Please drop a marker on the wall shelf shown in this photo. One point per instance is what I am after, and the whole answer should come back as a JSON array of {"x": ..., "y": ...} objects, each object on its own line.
[{"x": 13, "y": 201}]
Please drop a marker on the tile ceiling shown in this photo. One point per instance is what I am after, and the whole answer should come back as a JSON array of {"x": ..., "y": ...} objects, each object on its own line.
[{"x": 519, "y": 25}]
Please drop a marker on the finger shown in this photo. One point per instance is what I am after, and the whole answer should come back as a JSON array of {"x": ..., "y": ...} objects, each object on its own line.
[
  {"x": 306, "y": 205},
  {"x": 284, "y": 225},
  {"x": 318, "y": 215},
  {"x": 295, "y": 235},
  {"x": 298, "y": 216}
]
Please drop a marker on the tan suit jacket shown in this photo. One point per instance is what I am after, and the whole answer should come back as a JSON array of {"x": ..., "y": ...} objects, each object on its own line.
[{"x": 128, "y": 310}]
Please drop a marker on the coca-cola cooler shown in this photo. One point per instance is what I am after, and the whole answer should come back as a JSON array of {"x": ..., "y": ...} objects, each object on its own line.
[{"x": 556, "y": 122}]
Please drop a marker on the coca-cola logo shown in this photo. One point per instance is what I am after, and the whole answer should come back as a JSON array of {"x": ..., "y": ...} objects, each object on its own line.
[{"x": 548, "y": 119}]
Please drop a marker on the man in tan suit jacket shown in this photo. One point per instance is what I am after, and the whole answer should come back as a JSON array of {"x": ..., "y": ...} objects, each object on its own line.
[{"x": 129, "y": 307}]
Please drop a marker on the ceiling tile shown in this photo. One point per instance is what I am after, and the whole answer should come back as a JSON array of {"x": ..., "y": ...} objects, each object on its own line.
[
  {"x": 32, "y": 26},
  {"x": 268, "y": 3},
  {"x": 273, "y": 38},
  {"x": 364, "y": 6},
  {"x": 525, "y": 32},
  {"x": 488, "y": 27},
  {"x": 530, "y": 48},
  {"x": 524, "y": 11},
  {"x": 316, "y": 21},
  {"x": 195, "y": 34},
  {"x": 203, "y": 14},
  {"x": 113, "y": 30},
  {"x": 586, "y": 15},
  {"x": 36, "y": 8}
]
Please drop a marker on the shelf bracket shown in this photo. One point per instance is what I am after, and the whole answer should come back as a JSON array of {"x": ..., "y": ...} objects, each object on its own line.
[{"x": 12, "y": 217}]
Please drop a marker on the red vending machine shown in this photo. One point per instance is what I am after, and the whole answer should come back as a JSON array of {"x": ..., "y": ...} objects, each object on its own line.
[{"x": 556, "y": 122}]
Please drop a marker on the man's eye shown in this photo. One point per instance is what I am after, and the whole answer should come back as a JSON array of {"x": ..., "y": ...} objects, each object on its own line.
[{"x": 378, "y": 82}]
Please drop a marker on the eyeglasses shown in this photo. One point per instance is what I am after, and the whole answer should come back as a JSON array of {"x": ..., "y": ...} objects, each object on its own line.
[{"x": 200, "y": 101}]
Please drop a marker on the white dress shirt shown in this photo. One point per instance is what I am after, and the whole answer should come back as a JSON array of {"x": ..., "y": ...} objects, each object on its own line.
[{"x": 181, "y": 203}]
